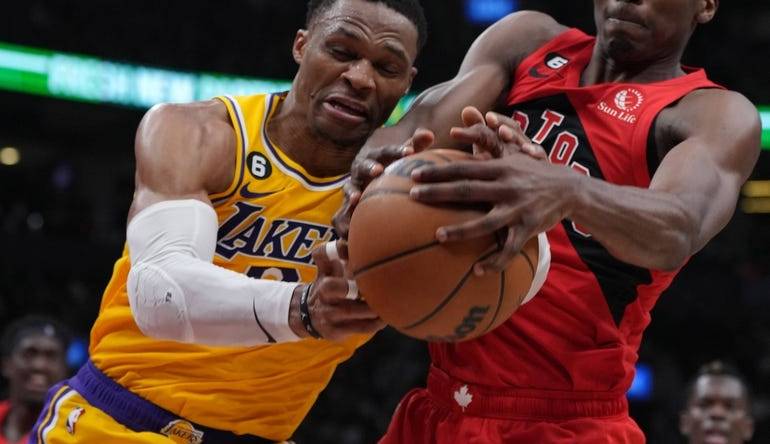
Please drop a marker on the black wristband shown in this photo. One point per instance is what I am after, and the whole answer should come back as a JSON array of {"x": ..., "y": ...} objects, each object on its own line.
[{"x": 304, "y": 312}]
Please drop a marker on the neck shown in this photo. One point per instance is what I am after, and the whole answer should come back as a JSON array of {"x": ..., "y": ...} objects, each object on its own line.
[
  {"x": 19, "y": 421},
  {"x": 604, "y": 69},
  {"x": 319, "y": 156}
]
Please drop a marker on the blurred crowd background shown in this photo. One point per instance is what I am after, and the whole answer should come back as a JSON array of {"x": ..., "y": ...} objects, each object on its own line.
[{"x": 66, "y": 186}]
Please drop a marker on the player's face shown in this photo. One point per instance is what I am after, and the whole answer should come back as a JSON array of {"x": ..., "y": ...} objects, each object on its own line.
[
  {"x": 646, "y": 31},
  {"x": 717, "y": 412},
  {"x": 355, "y": 64},
  {"x": 35, "y": 365}
]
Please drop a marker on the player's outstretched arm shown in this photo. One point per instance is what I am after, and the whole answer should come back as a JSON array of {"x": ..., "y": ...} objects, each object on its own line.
[
  {"x": 691, "y": 197},
  {"x": 483, "y": 80},
  {"x": 184, "y": 153}
]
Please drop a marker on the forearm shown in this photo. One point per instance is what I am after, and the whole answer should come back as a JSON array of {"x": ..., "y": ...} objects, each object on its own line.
[
  {"x": 439, "y": 108},
  {"x": 177, "y": 293},
  {"x": 185, "y": 299},
  {"x": 647, "y": 228},
  {"x": 420, "y": 115}
]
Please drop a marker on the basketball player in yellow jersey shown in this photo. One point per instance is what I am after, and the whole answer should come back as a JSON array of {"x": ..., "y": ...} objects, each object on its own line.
[{"x": 206, "y": 333}]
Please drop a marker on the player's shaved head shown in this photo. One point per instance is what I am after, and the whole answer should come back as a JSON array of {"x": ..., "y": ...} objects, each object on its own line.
[{"x": 410, "y": 9}]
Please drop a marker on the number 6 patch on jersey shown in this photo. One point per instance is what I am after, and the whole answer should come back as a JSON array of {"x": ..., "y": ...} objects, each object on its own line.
[{"x": 259, "y": 166}]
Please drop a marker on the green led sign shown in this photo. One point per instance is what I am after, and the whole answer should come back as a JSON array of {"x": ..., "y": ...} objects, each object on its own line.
[
  {"x": 764, "y": 114},
  {"x": 89, "y": 79}
]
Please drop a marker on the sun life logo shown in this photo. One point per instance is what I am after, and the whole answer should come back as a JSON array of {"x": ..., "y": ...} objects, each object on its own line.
[
  {"x": 629, "y": 99},
  {"x": 622, "y": 107}
]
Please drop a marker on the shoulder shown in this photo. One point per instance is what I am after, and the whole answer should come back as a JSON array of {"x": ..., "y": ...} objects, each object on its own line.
[
  {"x": 712, "y": 110},
  {"x": 517, "y": 35},
  {"x": 200, "y": 130},
  {"x": 187, "y": 139},
  {"x": 534, "y": 25},
  {"x": 201, "y": 122},
  {"x": 732, "y": 100},
  {"x": 724, "y": 122}
]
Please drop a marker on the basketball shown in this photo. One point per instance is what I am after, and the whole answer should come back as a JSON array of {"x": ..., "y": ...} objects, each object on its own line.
[{"x": 423, "y": 288}]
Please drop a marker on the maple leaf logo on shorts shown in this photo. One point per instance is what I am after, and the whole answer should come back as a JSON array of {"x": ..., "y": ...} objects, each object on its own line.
[{"x": 462, "y": 397}]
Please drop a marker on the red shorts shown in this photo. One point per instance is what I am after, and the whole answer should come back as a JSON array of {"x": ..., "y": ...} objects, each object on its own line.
[{"x": 450, "y": 411}]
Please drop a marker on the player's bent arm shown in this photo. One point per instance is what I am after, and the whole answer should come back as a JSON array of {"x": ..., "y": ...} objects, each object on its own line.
[
  {"x": 693, "y": 193},
  {"x": 184, "y": 153},
  {"x": 177, "y": 293},
  {"x": 483, "y": 80}
]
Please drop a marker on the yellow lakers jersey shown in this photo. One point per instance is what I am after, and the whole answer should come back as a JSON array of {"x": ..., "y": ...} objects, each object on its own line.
[{"x": 270, "y": 218}]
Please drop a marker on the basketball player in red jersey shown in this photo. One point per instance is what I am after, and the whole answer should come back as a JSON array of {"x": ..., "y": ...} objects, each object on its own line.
[{"x": 645, "y": 161}]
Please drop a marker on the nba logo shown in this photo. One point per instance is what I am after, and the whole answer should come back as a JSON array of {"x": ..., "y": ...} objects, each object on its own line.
[{"x": 73, "y": 418}]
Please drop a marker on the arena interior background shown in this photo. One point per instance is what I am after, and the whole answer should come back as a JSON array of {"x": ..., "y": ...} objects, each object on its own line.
[{"x": 66, "y": 185}]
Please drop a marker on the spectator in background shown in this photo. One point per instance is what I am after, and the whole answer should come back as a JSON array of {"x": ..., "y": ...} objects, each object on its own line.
[
  {"x": 718, "y": 409},
  {"x": 33, "y": 359}
]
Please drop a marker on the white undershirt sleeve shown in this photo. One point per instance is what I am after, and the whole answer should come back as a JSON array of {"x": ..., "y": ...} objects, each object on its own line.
[
  {"x": 543, "y": 265},
  {"x": 177, "y": 293}
]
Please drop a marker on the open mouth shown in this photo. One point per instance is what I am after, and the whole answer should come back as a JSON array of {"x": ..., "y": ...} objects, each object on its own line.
[
  {"x": 625, "y": 16},
  {"x": 345, "y": 110},
  {"x": 38, "y": 382},
  {"x": 715, "y": 437},
  {"x": 624, "y": 21}
]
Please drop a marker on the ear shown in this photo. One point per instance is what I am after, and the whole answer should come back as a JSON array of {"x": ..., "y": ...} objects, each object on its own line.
[
  {"x": 300, "y": 45},
  {"x": 685, "y": 423},
  {"x": 708, "y": 8},
  {"x": 412, "y": 74}
]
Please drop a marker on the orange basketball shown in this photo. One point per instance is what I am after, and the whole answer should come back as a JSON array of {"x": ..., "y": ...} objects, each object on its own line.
[{"x": 421, "y": 287}]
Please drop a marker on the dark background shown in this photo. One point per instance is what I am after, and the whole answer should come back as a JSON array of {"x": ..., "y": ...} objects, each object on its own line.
[{"x": 63, "y": 208}]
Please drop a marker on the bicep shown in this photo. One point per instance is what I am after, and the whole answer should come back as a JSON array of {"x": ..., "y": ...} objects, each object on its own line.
[
  {"x": 439, "y": 108},
  {"x": 178, "y": 156},
  {"x": 706, "y": 171}
]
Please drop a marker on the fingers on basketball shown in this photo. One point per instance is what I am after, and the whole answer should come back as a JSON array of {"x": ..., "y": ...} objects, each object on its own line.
[{"x": 424, "y": 288}]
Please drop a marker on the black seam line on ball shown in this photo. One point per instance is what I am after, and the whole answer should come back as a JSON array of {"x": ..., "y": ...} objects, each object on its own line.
[
  {"x": 500, "y": 297},
  {"x": 502, "y": 289},
  {"x": 529, "y": 262},
  {"x": 414, "y": 250},
  {"x": 452, "y": 294}
]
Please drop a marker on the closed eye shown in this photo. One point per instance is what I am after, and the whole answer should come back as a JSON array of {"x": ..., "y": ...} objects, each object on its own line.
[
  {"x": 342, "y": 55},
  {"x": 389, "y": 70}
]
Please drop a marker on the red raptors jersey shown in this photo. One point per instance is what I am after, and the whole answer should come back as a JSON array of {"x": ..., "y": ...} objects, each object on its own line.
[{"x": 583, "y": 329}]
